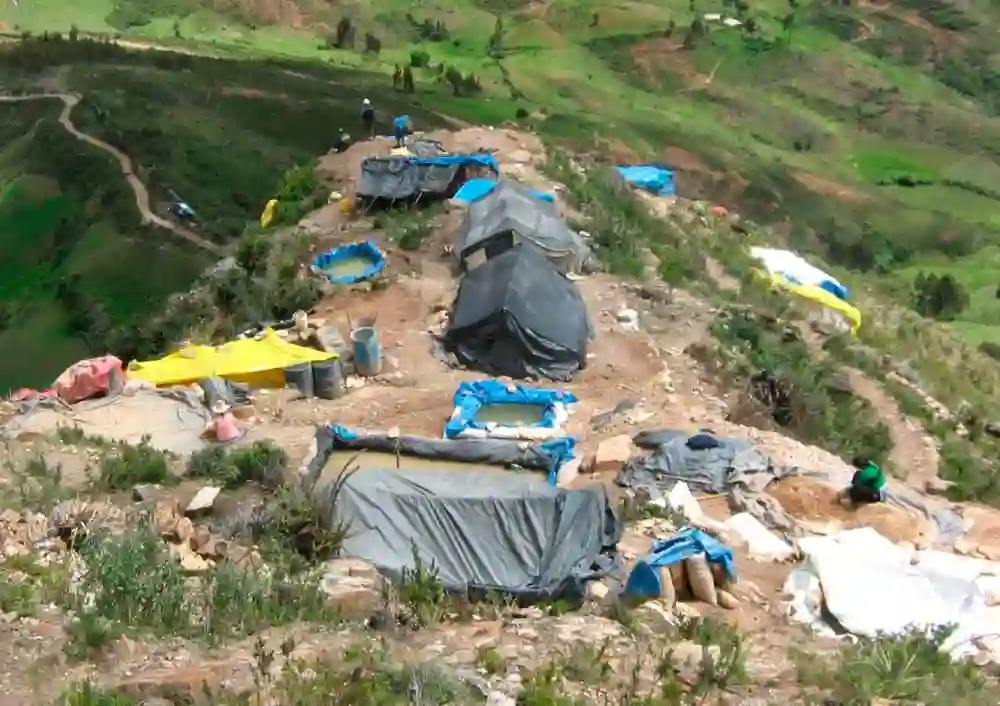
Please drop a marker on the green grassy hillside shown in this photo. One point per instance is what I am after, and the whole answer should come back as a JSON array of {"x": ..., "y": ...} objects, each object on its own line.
[
  {"x": 79, "y": 271},
  {"x": 868, "y": 130}
]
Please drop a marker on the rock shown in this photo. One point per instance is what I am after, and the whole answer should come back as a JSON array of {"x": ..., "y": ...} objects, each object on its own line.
[
  {"x": 207, "y": 545},
  {"x": 10, "y": 517},
  {"x": 147, "y": 493},
  {"x": 840, "y": 382},
  {"x": 165, "y": 516},
  {"x": 992, "y": 428},
  {"x": 990, "y": 551},
  {"x": 689, "y": 654},
  {"x": 628, "y": 318},
  {"x": 611, "y": 455},
  {"x": 244, "y": 557},
  {"x": 183, "y": 530},
  {"x": 597, "y": 591},
  {"x": 355, "y": 586},
  {"x": 568, "y": 472},
  {"x": 203, "y": 500},
  {"x": 686, "y": 611},
  {"x": 964, "y": 547},
  {"x": 498, "y": 698},
  {"x": 190, "y": 562},
  {"x": 937, "y": 486}
]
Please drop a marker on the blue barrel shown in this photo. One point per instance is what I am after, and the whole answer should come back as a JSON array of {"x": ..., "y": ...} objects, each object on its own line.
[
  {"x": 367, "y": 351},
  {"x": 300, "y": 376}
]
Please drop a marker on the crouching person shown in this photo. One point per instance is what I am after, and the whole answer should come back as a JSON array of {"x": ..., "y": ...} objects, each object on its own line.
[{"x": 868, "y": 485}]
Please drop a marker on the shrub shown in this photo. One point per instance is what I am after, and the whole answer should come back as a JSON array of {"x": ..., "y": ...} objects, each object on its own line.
[{"x": 126, "y": 466}]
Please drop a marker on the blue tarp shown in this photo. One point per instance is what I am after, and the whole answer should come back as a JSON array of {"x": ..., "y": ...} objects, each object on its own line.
[
  {"x": 644, "y": 581},
  {"x": 470, "y": 397},
  {"x": 448, "y": 160},
  {"x": 475, "y": 189},
  {"x": 366, "y": 250},
  {"x": 654, "y": 178}
]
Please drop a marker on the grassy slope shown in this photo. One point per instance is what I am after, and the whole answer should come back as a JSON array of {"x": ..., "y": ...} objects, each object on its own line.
[
  {"x": 812, "y": 124},
  {"x": 219, "y": 132}
]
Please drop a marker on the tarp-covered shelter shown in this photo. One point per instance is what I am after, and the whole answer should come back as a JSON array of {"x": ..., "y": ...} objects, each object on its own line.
[
  {"x": 258, "y": 363},
  {"x": 511, "y": 214},
  {"x": 406, "y": 177},
  {"x": 654, "y": 178},
  {"x": 517, "y": 316},
  {"x": 481, "y": 530}
]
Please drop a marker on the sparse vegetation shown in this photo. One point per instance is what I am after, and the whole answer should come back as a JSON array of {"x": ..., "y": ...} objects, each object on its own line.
[
  {"x": 262, "y": 462},
  {"x": 125, "y": 466}
]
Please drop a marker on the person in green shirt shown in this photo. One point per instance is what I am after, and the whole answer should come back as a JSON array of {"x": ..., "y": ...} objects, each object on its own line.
[{"x": 868, "y": 484}]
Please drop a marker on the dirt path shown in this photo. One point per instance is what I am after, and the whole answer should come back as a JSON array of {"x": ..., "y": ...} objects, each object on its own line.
[
  {"x": 70, "y": 100},
  {"x": 912, "y": 450}
]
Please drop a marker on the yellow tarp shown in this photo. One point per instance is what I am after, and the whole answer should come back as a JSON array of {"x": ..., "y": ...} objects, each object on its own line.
[
  {"x": 823, "y": 297},
  {"x": 257, "y": 363},
  {"x": 267, "y": 215}
]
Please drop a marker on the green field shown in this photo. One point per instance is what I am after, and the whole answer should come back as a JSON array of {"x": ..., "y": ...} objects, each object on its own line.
[{"x": 869, "y": 132}]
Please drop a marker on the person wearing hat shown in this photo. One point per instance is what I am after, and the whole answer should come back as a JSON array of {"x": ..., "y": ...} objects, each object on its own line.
[
  {"x": 223, "y": 422},
  {"x": 368, "y": 118}
]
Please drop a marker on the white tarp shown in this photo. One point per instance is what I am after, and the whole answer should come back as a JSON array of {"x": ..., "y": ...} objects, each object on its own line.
[
  {"x": 795, "y": 269},
  {"x": 873, "y": 587}
]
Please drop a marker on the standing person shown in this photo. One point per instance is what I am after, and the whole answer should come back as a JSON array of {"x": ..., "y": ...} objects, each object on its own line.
[
  {"x": 368, "y": 118},
  {"x": 400, "y": 128},
  {"x": 868, "y": 485}
]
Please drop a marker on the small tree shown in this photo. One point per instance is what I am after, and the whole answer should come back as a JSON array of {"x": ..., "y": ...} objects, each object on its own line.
[
  {"x": 408, "y": 85},
  {"x": 937, "y": 297},
  {"x": 495, "y": 47},
  {"x": 454, "y": 77}
]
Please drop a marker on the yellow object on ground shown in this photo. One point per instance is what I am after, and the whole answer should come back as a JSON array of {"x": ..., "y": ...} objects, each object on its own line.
[
  {"x": 822, "y": 297},
  {"x": 268, "y": 213},
  {"x": 258, "y": 363},
  {"x": 401, "y": 152}
]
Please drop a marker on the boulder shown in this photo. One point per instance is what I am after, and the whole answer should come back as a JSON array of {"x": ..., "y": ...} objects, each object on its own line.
[{"x": 611, "y": 455}]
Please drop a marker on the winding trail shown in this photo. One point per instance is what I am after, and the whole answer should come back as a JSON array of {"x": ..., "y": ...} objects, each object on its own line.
[{"x": 70, "y": 100}]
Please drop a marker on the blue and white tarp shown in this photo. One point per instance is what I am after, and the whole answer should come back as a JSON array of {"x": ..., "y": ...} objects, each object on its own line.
[
  {"x": 475, "y": 189},
  {"x": 471, "y": 397},
  {"x": 365, "y": 251},
  {"x": 654, "y": 178},
  {"x": 795, "y": 270},
  {"x": 644, "y": 581}
]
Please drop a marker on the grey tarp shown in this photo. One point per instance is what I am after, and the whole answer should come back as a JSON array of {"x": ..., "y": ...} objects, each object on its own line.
[
  {"x": 491, "y": 452},
  {"x": 509, "y": 215},
  {"x": 403, "y": 178},
  {"x": 517, "y": 316},
  {"x": 482, "y": 530},
  {"x": 713, "y": 470}
]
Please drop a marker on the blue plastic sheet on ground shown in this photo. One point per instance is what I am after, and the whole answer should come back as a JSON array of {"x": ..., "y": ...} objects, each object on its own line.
[
  {"x": 654, "y": 178},
  {"x": 365, "y": 251},
  {"x": 548, "y": 456},
  {"x": 470, "y": 397},
  {"x": 644, "y": 581}
]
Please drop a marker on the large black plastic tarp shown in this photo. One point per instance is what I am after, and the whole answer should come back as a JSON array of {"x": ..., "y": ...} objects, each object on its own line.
[
  {"x": 516, "y": 315},
  {"x": 480, "y": 530},
  {"x": 399, "y": 178},
  {"x": 510, "y": 214}
]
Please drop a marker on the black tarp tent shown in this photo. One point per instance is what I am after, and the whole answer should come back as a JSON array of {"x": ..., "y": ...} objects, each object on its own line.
[
  {"x": 516, "y": 315},
  {"x": 480, "y": 530},
  {"x": 510, "y": 214},
  {"x": 405, "y": 177}
]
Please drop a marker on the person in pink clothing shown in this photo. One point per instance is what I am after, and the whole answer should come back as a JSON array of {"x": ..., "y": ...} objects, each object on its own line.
[{"x": 223, "y": 422}]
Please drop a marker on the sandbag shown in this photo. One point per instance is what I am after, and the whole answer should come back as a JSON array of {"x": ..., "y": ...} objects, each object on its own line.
[
  {"x": 727, "y": 600},
  {"x": 678, "y": 576},
  {"x": 719, "y": 576},
  {"x": 667, "y": 593},
  {"x": 700, "y": 579}
]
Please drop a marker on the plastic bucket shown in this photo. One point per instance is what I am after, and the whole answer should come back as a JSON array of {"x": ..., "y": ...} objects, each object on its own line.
[
  {"x": 328, "y": 379},
  {"x": 367, "y": 351},
  {"x": 300, "y": 376}
]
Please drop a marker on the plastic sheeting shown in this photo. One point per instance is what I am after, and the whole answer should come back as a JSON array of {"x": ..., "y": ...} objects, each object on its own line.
[
  {"x": 872, "y": 587},
  {"x": 475, "y": 189},
  {"x": 258, "y": 363},
  {"x": 367, "y": 250},
  {"x": 511, "y": 214},
  {"x": 654, "y": 178},
  {"x": 795, "y": 270},
  {"x": 471, "y": 397},
  {"x": 481, "y": 531},
  {"x": 823, "y": 297},
  {"x": 710, "y": 470},
  {"x": 405, "y": 177},
  {"x": 645, "y": 579},
  {"x": 516, "y": 316},
  {"x": 547, "y": 456}
]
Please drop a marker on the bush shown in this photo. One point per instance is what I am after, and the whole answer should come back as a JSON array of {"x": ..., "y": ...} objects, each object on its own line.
[
  {"x": 126, "y": 466},
  {"x": 262, "y": 462},
  {"x": 937, "y": 297}
]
